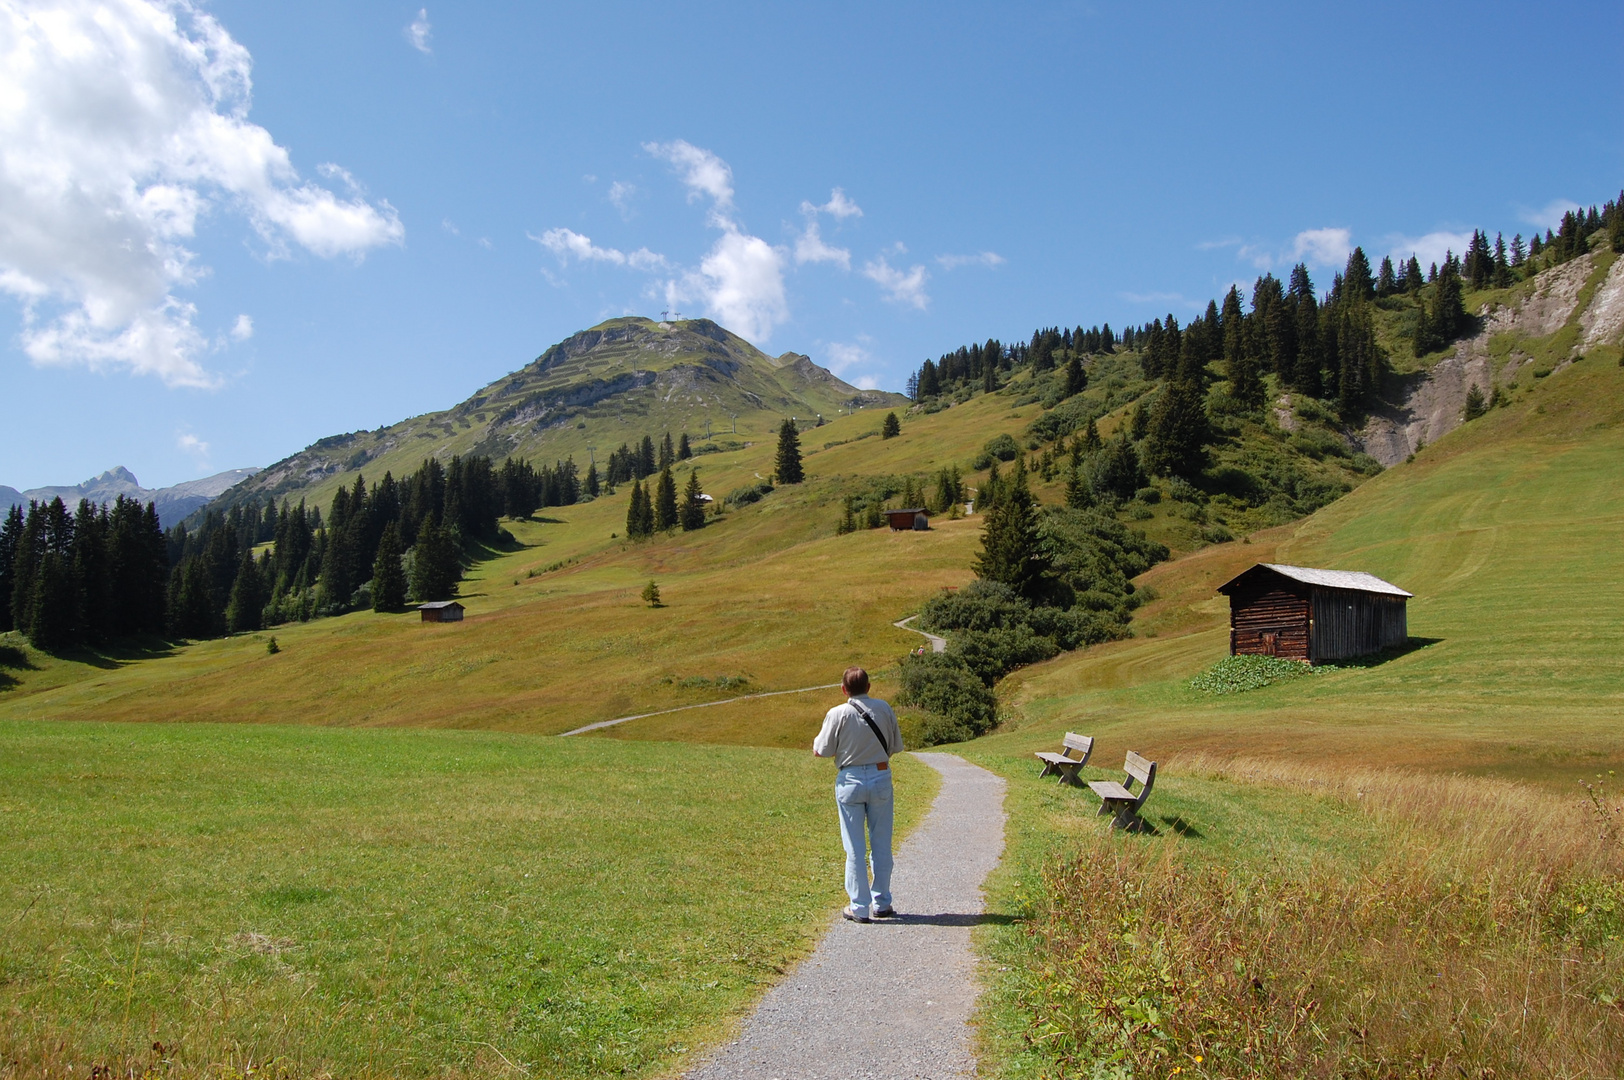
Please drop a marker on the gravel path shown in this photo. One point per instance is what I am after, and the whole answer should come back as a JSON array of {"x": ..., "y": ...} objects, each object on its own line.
[
  {"x": 889, "y": 1000},
  {"x": 937, "y": 644}
]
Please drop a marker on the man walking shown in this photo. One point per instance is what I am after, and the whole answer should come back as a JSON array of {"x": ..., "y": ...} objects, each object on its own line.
[{"x": 861, "y": 736}]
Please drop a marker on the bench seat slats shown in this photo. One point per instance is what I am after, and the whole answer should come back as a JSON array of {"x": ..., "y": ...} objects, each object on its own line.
[{"x": 1111, "y": 791}]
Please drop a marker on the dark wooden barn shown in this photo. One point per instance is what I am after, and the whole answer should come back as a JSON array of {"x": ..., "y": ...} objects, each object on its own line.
[
  {"x": 1313, "y": 615},
  {"x": 903, "y": 520},
  {"x": 441, "y": 611}
]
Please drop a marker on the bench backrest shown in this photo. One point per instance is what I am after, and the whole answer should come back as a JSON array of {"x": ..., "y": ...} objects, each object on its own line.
[
  {"x": 1142, "y": 770},
  {"x": 1078, "y": 746}
]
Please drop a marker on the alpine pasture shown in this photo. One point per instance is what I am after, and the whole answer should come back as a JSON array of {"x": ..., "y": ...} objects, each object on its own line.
[{"x": 1383, "y": 869}]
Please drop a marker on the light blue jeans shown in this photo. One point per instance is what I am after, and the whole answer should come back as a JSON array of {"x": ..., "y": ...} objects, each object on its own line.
[{"x": 863, "y": 795}]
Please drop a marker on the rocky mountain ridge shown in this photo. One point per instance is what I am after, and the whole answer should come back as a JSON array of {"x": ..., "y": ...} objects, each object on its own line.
[{"x": 173, "y": 503}]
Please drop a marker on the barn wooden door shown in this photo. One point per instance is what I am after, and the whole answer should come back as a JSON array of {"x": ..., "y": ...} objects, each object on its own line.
[{"x": 1271, "y": 642}]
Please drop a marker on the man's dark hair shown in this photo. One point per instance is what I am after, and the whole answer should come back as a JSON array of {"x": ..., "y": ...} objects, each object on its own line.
[{"x": 854, "y": 682}]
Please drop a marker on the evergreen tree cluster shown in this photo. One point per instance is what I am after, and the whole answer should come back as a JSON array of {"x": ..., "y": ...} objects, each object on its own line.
[
  {"x": 106, "y": 572},
  {"x": 85, "y": 577},
  {"x": 627, "y": 462},
  {"x": 657, "y": 508}
]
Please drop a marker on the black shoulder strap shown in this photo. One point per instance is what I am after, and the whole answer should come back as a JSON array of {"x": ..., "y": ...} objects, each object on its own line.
[{"x": 872, "y": 726}]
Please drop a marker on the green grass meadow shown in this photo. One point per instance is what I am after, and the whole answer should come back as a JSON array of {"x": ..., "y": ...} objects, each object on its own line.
[{"x": 393, "y": 903}]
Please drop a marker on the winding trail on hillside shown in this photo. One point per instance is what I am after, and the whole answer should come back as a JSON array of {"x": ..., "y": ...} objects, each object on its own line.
[
  {"x": 937, "y": 644},
  {"x": 889, "y": 999},
  {"x": 702, "y": 705}
]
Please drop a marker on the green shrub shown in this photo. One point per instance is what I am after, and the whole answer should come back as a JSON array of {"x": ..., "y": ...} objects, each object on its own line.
[
  {"x": 990, "y": 654},
  {"x": 749, "y": 493},
  {"x": 1238, "y": 674},
  {"x": 942, "y": 685},
  {"x": 1003, "y": 447}
]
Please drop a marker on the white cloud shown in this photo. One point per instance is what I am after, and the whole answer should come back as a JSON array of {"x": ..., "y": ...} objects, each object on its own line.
[
  {"x": 1428, "y": 249},
  {"x": 741, "y": 282},
  {"x": 621, "y": 195},
  {"x": 702, "y": 171},
  {"x": 419, "y": 30},
  {"x": 986, "y": 258},
  {"x": 1323, "y": 247},
  {"x": 844, "y": 357},
  {"x": 242, "y": 329},
  {"x": 193, "y": 445},
  {"x": 121, "y": 123},
  {"x": 838, "y": 206},
  {"x": 450, "y": 226},
  {"x": 567, "y": 242},
  {"x": 901, "y": 287},
  {"x": 1550, "y": 216},
  {"x": 810, "y": 248}
]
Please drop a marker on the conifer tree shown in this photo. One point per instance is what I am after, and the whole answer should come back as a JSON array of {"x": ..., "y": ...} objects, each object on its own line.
[
  {"x": 1009, "y": 539},
  {"x": 645, "y": 458},
  {"x": 892, "y": 427},
  {"x": 11, "y": 535},
  {"x": 1121, "y": 472},
  {"x": 1386, "y": 278},
  {"x": 787, "y": 468},
  {"x": 594, "y": 487},
  {"x": 435, "y": 563},
  {"x": 388, "y": 576},
  {"x": 639, "y": 514},
  {"x": 665, "y": 501},
  {"x": 247, "y": 602},
  {"x": 1076, "y": 380},
  {"x": 1245, "y": 386},
  {"x": 52, "y": 625},
  {"x": 1356, "y": 278},
  {"x": 1412, "y": 275},
  {"x": 668, "y": 455},
  {"x": 684, "y": 451},
  {"x": 848, "y": 519},
  {"x": 1615, "y": 228},
  {"x": 693, "y": 507},
  {"x": 1139, "y": 426},
  {"x": 1179, "y": 431}
]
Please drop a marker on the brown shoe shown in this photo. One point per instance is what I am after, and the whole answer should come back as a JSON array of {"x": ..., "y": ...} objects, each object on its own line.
[
  {"x": 885, "y": 913},
  {"x": 848, "y": 914}
]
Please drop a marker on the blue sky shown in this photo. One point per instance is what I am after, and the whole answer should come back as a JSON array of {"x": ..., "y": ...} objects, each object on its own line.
[{"x": 229, "y": 230}]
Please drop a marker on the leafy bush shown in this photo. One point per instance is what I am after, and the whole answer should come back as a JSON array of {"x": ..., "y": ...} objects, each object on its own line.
[
  {"x": 1003, "y": 447},
  {"x": 942, "y": 685},
  {"x": 990, "y": 654},
  {"x": 749, "y": 493},
  {"x": 1238, "y": 674}
]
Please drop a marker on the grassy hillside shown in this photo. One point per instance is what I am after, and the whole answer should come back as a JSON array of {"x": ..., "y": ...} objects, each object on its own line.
[{"x": 1506, "y": 531}]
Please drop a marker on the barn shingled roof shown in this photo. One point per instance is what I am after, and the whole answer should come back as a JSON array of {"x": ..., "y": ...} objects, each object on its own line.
[{"x": 1356, "y": 580}]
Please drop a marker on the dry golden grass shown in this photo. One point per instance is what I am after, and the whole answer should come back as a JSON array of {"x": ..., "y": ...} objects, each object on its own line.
[{"x": 1475, "y": 932}]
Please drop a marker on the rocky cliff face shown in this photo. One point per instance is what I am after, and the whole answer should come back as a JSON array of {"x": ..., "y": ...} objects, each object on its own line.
[{"x": 1516, "y": 341}]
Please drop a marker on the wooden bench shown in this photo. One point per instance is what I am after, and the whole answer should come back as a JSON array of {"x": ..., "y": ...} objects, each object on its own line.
[
  {"x": 1073, "y": 756},
  {"x": 1121, "y": 799}
]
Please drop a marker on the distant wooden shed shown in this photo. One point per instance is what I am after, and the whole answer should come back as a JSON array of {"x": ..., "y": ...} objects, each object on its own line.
[
  {"x": 1313, "y": 615},
  {"x": 904, "y": 520},
  {"x": 441, "y": 611}
]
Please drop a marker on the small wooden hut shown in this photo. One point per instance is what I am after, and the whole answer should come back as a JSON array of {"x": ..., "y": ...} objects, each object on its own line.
[
  {"x": 441, "y": 611},
  {"x": 1313, "y": 615},
  {"x": 904, "y": 520}
]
